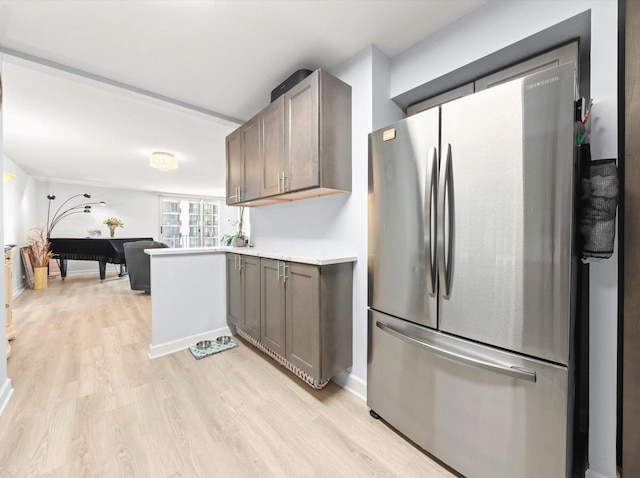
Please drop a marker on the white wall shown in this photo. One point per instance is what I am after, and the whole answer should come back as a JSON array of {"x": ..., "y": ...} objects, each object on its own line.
[
  {"x": 138, "y": 211},
  {"x": 19, "y": 210},
  {"x": 193, "y": 287},
  {"x": 5, "y": 382},
  {"x": 384, "y": 111},
  {"x": 486, "y": 31}
]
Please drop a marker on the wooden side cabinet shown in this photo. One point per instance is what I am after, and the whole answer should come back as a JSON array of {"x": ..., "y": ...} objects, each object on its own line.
[
  {"x": 243, "y": 293},
  {"x": 305, "y": 315},
  {"x": 8, "y": 293}
]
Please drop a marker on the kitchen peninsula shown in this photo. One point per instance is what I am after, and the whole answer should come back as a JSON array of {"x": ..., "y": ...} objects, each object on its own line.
[{"x": 188, "y": 291}]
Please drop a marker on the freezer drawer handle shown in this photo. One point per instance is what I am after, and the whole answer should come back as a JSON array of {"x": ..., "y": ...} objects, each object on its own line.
[{"x": 512, "y": 371}]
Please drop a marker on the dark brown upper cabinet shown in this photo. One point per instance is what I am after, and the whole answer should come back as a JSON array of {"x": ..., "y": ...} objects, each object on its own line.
[{"x": 303, "y": 146}]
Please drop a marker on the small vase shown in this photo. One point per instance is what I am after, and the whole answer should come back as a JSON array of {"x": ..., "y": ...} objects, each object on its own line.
[
  {"x": 40, "y": 277},
  {"x": 238, "y": 241},
  {"x": 112, "y": 231}
]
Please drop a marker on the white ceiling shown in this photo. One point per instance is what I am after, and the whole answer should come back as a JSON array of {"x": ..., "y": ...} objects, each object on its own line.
[{"x": 221, "y": 56}]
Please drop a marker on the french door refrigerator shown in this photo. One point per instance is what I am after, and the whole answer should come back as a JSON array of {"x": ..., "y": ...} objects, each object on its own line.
[{"x": 471, "y": 278}]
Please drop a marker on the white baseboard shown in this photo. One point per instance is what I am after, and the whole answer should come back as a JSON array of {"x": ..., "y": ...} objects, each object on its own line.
[
  {"x": 21, "y": 288},
  {"x": 5, "y": 394},
  {"x": 595, "y": 474},
  {"x": 352, "y": 383},
  {"x": 167, "y": 348}
]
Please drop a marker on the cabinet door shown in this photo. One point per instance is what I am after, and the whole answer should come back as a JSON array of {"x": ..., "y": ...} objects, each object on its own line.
[
  {"x": 251, "y": 159},
  {"x": 250, "y": 272},
  {"x": 234, "y": 165},
  {"x": 272, "y": 298},
  {"x": 301, "y": 133},
  {"x": 273, "y": 160},
  {"x": 303, "y": 317},
  {"x": 234, "y": 291}
]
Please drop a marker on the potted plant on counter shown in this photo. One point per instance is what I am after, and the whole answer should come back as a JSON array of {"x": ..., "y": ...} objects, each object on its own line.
[
  {"x": 238, "y": 239},
  {"x": 41, "y": 254}
]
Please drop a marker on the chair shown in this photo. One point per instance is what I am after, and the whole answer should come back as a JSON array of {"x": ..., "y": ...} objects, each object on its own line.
[{"x": 139, "y": 263}]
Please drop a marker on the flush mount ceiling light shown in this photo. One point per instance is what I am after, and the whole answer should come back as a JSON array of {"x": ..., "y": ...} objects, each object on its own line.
[{"x": 163, "y": 161}]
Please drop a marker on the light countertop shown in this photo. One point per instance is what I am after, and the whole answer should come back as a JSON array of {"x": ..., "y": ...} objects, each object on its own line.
[
  {"x": 304, "y": 257},
  {"x": 170, "y": 251}
]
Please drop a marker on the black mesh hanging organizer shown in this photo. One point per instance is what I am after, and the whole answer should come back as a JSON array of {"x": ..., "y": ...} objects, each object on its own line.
[{"x": 600, "y": 191}]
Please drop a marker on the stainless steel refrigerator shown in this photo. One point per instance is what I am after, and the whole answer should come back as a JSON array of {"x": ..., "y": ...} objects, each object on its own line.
[{"x": 471, "y": 278}]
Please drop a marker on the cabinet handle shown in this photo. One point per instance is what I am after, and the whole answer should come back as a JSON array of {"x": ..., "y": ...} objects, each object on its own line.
[
  {"x": 279, "y": 263},
  {"x": 279, "y": 190},
  {"x": 240, "y": 263},
  {"x": 284, "y": 272},
  {"x": 284, "y": 184}
]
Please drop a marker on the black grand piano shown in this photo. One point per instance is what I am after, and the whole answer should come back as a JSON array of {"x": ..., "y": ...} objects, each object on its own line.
[{"x": 104, "y": 251}]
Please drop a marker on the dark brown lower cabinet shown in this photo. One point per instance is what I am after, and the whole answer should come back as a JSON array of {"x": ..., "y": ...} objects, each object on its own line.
[
  {"x": 305, "y": 312},
  {"x": 234, "y": 291},
  {"x": 243, "y": 293},
  {"x": 272, "y": 301},
  {"x": 303, "y": 317}
]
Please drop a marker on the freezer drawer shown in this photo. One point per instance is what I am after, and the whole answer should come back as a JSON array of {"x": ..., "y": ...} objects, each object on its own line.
[{"x": 484, "y": 412}]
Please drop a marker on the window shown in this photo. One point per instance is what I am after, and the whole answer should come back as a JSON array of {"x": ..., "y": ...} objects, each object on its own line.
[{"x": 190, "y": 222}]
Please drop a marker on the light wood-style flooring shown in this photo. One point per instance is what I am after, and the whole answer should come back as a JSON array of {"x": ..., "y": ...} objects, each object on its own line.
[{"x": 88, "y": 402}]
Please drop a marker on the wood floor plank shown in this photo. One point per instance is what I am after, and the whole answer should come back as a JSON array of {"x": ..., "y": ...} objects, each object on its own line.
[{"x": 89, "y": 403}]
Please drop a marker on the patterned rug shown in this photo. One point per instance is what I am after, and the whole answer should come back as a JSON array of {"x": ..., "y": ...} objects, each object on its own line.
[{"x": 210, "y": 347}]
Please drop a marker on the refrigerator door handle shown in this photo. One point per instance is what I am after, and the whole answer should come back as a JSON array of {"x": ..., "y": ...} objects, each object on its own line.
[
  {"x": 445, "y": 261},
  {"x": 512, "y": 371},
  {"x": 430, "y": 183}
]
